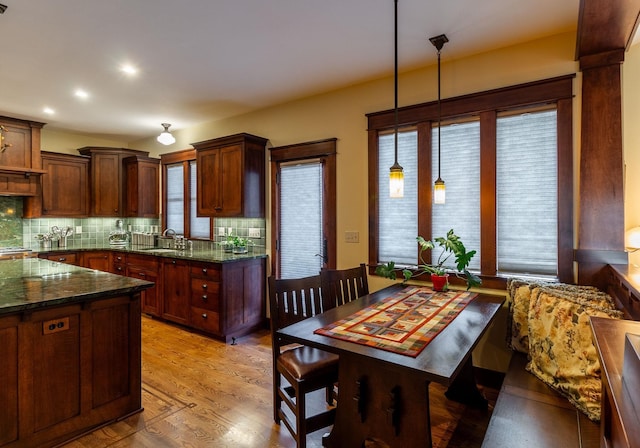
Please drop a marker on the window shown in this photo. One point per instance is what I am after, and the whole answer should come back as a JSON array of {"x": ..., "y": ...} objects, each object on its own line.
[
  {"x": 507, "y": 164},
  {"x": 179, "y": 196}
]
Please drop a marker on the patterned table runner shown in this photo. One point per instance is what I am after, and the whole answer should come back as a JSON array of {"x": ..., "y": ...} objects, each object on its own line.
[{"x": 403, "y": 323}]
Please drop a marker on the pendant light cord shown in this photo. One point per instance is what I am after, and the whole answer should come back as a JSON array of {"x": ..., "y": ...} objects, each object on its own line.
[
  {"x": 395, "y": 77},
  {"x": 439, "y": 115}
]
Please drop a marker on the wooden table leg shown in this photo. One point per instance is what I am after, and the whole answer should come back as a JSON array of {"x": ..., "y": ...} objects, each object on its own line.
[
  {"x": 379, "y": 403},
  {"x": 465, "y": 390}
]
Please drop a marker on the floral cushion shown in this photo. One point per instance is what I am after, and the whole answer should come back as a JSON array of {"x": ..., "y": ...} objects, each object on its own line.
[
  {"x": 561, "y": 349},
  {"x": 519, "y": 297}
]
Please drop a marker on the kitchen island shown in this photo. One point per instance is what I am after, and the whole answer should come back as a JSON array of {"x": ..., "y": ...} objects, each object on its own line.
[{"x": 70, "y": 350}]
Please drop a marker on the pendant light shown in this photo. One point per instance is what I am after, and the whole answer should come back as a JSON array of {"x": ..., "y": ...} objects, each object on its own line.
[
  {"x": 396, "y": 174},
  {"x": 438, "y": 187},
  {"x": 165, "y": 136}
]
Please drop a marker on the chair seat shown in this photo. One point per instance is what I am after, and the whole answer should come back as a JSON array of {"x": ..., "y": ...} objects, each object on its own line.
[{"x": 305, "y": 362}]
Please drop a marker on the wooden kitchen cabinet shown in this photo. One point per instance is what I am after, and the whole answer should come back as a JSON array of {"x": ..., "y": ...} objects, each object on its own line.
[
  {"x": 98, "y": 259},
  {"x": 9, "y": 350},
  {"x": 176, "y": 290},
  {"x": 142, "y": 183},
  {"x": 146, "y": 267},
  {"x": 108, "y": 179},
  {"x": 65, "y": 186},
  {"x": 20, "y": 161},
  {"x": 69, "y": 257},
  {"x": 231, "y": 176}
]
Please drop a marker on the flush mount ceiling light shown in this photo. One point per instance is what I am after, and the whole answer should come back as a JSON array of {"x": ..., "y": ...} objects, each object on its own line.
[
  {"x": 439, "y": 187},
  {"x": 3, "y": 8},
  {"x": 165, "y": 136},
  {"x": 396, "y": 174}
]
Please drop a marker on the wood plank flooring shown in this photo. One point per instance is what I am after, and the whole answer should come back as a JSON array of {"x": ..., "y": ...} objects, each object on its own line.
[{"x": 199, "y": 392}]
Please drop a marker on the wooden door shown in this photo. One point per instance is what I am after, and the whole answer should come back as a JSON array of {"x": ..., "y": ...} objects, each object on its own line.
[
  {"x": 98, "y": 260},
  {"x": 65, "y": 186},
  {"x": 9, "y": 379},
  {"x": 176, "y": 292}
]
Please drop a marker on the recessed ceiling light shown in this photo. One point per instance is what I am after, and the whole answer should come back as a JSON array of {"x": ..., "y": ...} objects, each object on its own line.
[
  {"x": 83, "y": 94},
  {"x": 48, "y": 111},
  {"x": 128, "y": 69}
]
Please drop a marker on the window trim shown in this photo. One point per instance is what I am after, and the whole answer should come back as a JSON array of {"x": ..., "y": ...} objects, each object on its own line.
[
  {"x": 183, "y": 157},
  {"x": 486, "y": 105}
]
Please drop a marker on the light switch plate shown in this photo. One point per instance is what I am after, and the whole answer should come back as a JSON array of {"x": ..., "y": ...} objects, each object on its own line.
[
  {"x": 78, "y": 230},
  {"x": 351, "y": 237},
  {"x": 254, "y": 232},
  {"x": 221, "y": 231}
]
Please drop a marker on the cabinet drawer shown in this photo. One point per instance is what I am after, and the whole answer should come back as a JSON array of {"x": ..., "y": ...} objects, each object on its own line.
[
  {"x": 119, "y": 268},
  {"x": 204, "y": 319},
  {"x": 119, "y": 258},
  {"x": 149, "y": 263},
  {"x": 69, "y": 258},
  {"x": 203, "y": 271},
  {"x": 205, "y": 294}
]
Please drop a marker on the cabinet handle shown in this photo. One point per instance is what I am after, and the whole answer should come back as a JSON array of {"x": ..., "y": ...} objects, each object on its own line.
[
  {"x": 218, "y": 208},
  {"x": 173, "y": 261},
  {"x": 142, "y": 274},
  {"x": 204, "y": 270},
  {"x": 204, "y": 315},
  {"x": 205, "y": 298},
  {"x": 204, "y": 286},
  {"x": 62, "y": 259}
]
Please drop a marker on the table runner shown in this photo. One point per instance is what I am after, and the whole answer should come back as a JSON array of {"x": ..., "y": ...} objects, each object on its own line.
[{"x": 403, "y": 323}]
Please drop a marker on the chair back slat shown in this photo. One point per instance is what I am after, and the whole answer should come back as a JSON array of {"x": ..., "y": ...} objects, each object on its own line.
[
  {"x": 293, "y": 300},
  {"x": 341, "y": 286}
]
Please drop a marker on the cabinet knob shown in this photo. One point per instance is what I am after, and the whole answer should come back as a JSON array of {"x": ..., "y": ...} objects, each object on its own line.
[
  {"x": 204, "y": 286},
  {"x": 142, "y": 274},
  {"x": 204, "y": 270},
  {"x": 204, "y": 315},
  {"x": 205, "y": 298}
]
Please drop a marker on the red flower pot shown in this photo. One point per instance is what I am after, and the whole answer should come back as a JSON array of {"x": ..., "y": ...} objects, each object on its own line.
[{"x": 440, "y": 282}]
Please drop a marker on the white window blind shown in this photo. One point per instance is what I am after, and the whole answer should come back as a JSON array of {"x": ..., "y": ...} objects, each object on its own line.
[
  {"x": 460, "y": 170},
  {"x": 301, "y": 238},
  {"x": 398, "y": 217},
  {"x": 527, "y": 193},
  {"x": 199, "y": 226},
  {"x": 175, "y": 198}
]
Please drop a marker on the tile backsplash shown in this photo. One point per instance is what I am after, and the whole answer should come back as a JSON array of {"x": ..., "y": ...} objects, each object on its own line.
[{"x": 16, "y": 231}]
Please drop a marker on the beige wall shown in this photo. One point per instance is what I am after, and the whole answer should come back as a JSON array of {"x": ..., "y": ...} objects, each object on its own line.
[
  {"x": 69, "y": 143},
  {"x": 631, "y": 140}
]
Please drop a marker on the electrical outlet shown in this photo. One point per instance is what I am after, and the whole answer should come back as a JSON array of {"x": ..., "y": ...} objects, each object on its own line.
[
  {"x": 78, "y": 230},
  {"x": 221, "y": 231},
  {"x": 351, "y": 237},
  {"x": 254, "y": 232}
]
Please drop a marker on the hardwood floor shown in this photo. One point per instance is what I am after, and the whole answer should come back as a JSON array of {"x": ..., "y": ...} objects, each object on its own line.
[{"x": 199, "y": 392}]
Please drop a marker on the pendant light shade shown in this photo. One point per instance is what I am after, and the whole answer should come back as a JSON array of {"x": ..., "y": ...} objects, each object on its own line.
[
  {"x": 439, "y": 192},
  {"x": 396, "y": 173},
  {"x": 165, "y": 137}
]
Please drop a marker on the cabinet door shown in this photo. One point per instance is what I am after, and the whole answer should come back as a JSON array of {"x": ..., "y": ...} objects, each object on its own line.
[
  {"x": 176, "y": 292},
  {"x": 106, "y": 184},
  {"x": 98, "y": 260},
  {"x": 209, "y": 180},
  {"x": 9, "y": 379},
  {"x": 65, "y": 185},
  {"x": 56, "y": 380},
  {"x": 142, "y": 187},
  {"x": 231, "y": 175}
]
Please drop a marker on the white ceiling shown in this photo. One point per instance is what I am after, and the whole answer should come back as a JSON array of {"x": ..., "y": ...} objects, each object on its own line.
[{"x": 201, "y": 60}]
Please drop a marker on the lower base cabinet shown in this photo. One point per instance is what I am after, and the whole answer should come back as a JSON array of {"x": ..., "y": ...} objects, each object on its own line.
[{"x": 79, "y": 366}]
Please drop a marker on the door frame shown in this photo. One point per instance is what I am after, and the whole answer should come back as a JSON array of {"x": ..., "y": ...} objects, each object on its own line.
[{"x": 325, "y": 150}]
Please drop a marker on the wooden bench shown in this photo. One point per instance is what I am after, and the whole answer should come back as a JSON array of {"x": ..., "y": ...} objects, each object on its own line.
[{"x": 529, "y": 413}]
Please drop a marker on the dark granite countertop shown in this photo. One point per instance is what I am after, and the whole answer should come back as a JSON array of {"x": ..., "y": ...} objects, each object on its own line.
[
  {"x": 34, "y": 283},
  {"x": 214, "y": 255}
]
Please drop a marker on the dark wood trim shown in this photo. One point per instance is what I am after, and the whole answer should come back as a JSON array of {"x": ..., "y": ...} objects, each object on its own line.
[
  {"x": 565, "y": 190},
  {"x": 601, "y": 256},
  {"x": 488, "y": 193},
  {"x": 537, "y": 92},
  {"x": 605, "y": 25},
  {"x": 325, "y": 150},
  {"x": 601, "y": 59},
  {"x": 425, "y": 185},
  {"x": 374, "y": 214}
]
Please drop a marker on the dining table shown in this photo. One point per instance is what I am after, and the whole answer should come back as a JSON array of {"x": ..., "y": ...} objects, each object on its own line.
[{"x": 383, "y": 396}]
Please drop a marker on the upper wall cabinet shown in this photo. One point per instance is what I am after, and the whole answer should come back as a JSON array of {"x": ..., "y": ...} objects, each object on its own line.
[
  {"x": 65, "y": 185},
  {"x": 142, "y": 178},
  {"x": 231, "y": 176},
  {"x": 108, "y": 179},
  {"x": 20, "y": 162}
]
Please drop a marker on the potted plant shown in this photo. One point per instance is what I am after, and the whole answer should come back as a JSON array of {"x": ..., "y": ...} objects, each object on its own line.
[
  {"x": 240, "y": 245},
  {"x": 451, "y": 246}
]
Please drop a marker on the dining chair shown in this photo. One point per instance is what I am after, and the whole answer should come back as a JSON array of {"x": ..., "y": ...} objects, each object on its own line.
[
  {"x": 305, "y": 369},
  {"x": 344, "y": 285}
]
